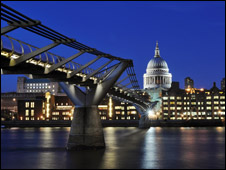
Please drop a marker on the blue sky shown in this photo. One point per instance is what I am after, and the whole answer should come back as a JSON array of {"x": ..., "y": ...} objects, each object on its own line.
[{"x": 191, "y": 35}]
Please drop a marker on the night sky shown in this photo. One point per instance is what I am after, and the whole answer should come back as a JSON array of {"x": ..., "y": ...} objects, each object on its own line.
[{"x": 191, "y": 35}]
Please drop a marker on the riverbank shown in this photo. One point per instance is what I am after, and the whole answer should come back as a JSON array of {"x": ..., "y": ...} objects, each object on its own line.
[{"x": 118, "y": 123}]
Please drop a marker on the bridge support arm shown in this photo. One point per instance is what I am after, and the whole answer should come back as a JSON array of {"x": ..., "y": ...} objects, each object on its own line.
[
  {"x": 82, "y": 67},
  {"x": 55, "y": 66},
  {"x": 74, "y": 93},
  {"x": 96, "y": 71},
  {"x": 96, "y": 95},
  {"x": 8, "y": 28}
]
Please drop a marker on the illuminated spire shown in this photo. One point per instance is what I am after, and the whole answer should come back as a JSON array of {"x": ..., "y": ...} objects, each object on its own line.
[{"x": 157, "y": 52}]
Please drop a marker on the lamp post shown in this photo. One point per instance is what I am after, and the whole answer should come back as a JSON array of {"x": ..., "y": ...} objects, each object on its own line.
[{"x": 219, "y": 114}]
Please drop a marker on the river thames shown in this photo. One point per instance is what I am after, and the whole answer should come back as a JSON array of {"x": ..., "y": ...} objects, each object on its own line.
[{"x": 126, "y": 147}]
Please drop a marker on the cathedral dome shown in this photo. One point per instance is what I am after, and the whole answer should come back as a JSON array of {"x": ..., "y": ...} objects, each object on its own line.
[
  {"x": 157, "y": 72},
  {"x": 157, "y": 62}
]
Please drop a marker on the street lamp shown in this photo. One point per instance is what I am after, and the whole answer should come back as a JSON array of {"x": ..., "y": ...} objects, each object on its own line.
[{"x": 219, "y": 114}]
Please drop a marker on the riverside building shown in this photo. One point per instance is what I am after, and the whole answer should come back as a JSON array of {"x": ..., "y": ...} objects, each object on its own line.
[{"x": 192, "y": 103}]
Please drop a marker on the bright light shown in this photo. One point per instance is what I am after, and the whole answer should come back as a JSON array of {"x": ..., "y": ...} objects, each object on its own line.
[
  {"x": 110, "y": 107},
  {"x": 151, "y": 113},
  {"x": 202, "y": 89}
]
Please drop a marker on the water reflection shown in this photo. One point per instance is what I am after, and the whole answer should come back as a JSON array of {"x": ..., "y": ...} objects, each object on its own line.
[{"x": 131, "y": 148}]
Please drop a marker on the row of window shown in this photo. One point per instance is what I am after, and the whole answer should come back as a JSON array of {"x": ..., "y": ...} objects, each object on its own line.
[
  {"x": 38, "y": 91},
  {"x": 192, "y": 97},
  {"x": 119, "y": 118},
  {"x": 194, "y": 103},
  {"x": 199, "y": 108},
  {"x": 29, "y": 104},
  {"x": 38, "y": 84}
]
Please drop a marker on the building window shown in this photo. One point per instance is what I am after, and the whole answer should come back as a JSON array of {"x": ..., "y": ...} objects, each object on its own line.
[
  {"x": 208, "y": 108},
  {"x": 32, "y": 104},
  {"x": 209, "y": 103},
  {"x": 165, "y": 98},
  {"x": 222, "y": 97},
  {"x": 26, "y": 104},
  {"x": 172, "y": 97},
  {"x": 208, "y": 97},
  {"x": 216, "y": 97},
  {"x": 26, "y": 112},
  {"x": 178, "y": 98},
  {"x": 32, "y": 113}
]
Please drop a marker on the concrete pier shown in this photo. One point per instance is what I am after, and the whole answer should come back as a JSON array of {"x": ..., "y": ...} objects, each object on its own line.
[
  {"x": 86, "y": 129},
  {"x": 144, "y": 122}
]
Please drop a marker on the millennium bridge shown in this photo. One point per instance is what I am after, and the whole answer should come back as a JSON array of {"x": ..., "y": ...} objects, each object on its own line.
[{"x": 18, "y": 57}]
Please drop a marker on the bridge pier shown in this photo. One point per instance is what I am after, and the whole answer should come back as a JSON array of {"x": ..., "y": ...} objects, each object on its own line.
[
  {"x": 144, "y": 122},
  {"x": 86, "y": 129}
]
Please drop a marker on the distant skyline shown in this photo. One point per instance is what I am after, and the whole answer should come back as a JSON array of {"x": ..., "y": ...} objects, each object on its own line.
[{"x": 191, "y": 34}]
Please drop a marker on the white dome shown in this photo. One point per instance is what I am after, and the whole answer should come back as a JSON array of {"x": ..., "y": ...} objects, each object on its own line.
[
  {"x": 157, "y": 62},
  {"x": 157, "y": 72}
]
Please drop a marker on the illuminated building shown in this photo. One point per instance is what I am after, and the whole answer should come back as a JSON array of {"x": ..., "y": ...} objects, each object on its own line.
[
  {"x": 30, "y": 109},
  {"x": 9, "y": 103},
  {"x": 188, "y": 83},
  {"x": 192, "y": 103},
  {"x": 119, "y": 110},
  {"x": 25, "y": 85}
]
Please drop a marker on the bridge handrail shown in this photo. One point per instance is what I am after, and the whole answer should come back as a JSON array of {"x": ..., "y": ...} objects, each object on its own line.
[{"x": 16, "y": 19}]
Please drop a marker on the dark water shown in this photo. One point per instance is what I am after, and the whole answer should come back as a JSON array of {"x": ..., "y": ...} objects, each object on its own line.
[{"x": 130, "y": 147}]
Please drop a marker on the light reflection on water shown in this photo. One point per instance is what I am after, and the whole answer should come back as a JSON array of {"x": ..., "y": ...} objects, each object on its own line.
[{"x": 130, "y": 147}]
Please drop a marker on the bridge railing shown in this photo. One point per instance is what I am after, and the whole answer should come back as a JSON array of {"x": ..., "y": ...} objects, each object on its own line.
[
  {"x": 17, "y": 20},
  {"x": 13, "y": 48}
]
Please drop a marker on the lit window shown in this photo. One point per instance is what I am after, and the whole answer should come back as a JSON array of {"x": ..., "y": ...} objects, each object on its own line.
[
  {"x": 216, "y": 97},
  {"x": 222, "y": 102},
  {"x": 165, "y": 98},
  {"x": 32, "y": 104},
  {"x": 32, "y": 112},
  {"x": 172, "y": 97},
  {"x": 208, "y": 108},
  {"x": 216, "y": 107},
  {"x": 26, "y": 112},
  {"x": 26, "y": 104},
  {"x": 208, "y": 97}
]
